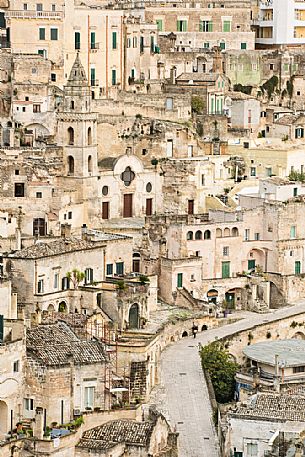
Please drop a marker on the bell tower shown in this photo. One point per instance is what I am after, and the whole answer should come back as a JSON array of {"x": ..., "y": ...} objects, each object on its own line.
[{"x": 77, "y": 125}]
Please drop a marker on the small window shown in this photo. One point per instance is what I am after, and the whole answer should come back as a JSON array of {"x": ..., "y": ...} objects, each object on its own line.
[
  {"x": 198, "y": 235},
  {"x": 36, "y": 109},
  {"x": 271, "y": 66},
  {"x": 54, "y": 34},
  {"x": 225, "y": 250},
  {"x": 38, "y": 194},
  {"x": 253, "y": 171},
  {"x": 257, "y": 236},
  {"x": 25, "y": 6},
  {"x": 29, "y": 404},
  {"x": 16, "y": 366},
  {"x": 77, "y": 40},
  {"x": 268, "y": 171},
  {"x": 23, "y": 109},
  {"x": 148, "y": 187},
  {"x": 56, "y": 280},
  {"x": 39, "y": 7},
  {"x": 19, "y": 189},
  {"x": 114, "y": 40},
  {"x": 17, "y": 172},
  {"x": 42, "y": 33},
  {"x": 298, "y": 92},
  {"x": 247, "y": 235},
  {"x": 109, "y": 269},
  {"x": 53, "y": 77},
  {"x": 292, "y": 231},
  {"x": 119, "y": 268},
  {"x": 295, "y": 191},
  {"x": 207, "y": 235},
  {"x": 70, "y": 215},
  {"x": 40, "y": 287},
  {"x": 243, "y": 45},
  {"x": 89, "y": 275},
  {"x": 105, "y": 190},
  {"x": 189, "y": 236},
  {"x": 65, "y": 283},
  {"x": 53, "y": 7},
  {"x": 197, "y": 253}
]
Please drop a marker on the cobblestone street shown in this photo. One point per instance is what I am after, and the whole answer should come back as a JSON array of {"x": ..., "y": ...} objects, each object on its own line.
[{"x": 183, "y": 396}]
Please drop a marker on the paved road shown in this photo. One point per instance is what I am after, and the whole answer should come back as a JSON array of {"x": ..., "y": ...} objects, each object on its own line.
[{"x": 182, "y": 395}]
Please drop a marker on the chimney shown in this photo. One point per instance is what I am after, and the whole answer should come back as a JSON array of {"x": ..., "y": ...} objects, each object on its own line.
[
  {"x": 173, "y": 75},
  {"x": 38, "y": 423},
  {"x": 18, "y": 238},
  {"x": 217, "y": 61}
]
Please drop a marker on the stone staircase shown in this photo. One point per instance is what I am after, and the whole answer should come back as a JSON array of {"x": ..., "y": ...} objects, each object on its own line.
[{"x": 138, "y": 374}]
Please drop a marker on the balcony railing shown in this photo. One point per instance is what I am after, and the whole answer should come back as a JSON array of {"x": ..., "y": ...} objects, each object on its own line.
[
  {"x": 22, "y": 14},
  {"x": 94, "y": 82}
]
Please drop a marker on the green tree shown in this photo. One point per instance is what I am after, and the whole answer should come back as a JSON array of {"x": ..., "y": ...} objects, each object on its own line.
[
  {"x": 197, "y": 105},
  {"x": 218, "y": 363},
  {"x": 76, "y": 277}
]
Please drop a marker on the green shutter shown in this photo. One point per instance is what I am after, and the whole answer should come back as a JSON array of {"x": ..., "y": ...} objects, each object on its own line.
[
  {"x": 297, "y": 267},
  {"x": 210, "y": 26},
  {"x": 92, "y": 40},
  {"x": 178, "y": 26},
  {"x": 184, "y": 26},
  {"x": 225, "y": 270},
  {"x": 42, "y": 34},
  {"x": 251, "y": 264},
  {"x": 243, "y": 45},
  {"x": 92, "y": 76},
  {"x": 179, "y": 279},
  {"x": 226, "y": 26},
  {"x": 159, "y": 23},
  {"x": 222, "y": 45},
  {"x": 113, "y": 77},
  {"x": 77, "y": 40},
  {"x": 114, "y": 40},
  {"x": 212, "y": 106},
  {"x": 200, "y": 26}
]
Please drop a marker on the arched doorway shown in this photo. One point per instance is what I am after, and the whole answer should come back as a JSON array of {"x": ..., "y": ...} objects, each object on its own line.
[
  {"x": 212, "y": 295},
  {"x": 134, "y": 316},
  {"x": 230, "y": 298},
  {"x": 184, "y": 334},
  {"x": 3, "y": 419},
  {"x": 62, "y": 307},
  {"x": 51, "y": 308},
  {"x": 136, "y": 262},
  {"x": 299, "y": 336}
]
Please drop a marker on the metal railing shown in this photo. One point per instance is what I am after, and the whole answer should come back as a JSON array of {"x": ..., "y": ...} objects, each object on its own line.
[{"x": 23, "y": 14}]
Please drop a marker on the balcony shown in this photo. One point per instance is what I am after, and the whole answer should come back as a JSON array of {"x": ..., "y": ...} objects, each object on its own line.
[
  {"x": 94, "y": 82},
  {"x": 22, "y": 14},
  {"x": 94, "y": 47}
]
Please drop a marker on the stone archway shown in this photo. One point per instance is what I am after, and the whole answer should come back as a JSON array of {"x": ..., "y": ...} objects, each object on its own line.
[
  {"x": 134, "y": 316},
  {"x": 299, "y": 336},
  {"x": 62, "y": 307},
  {"x": 184, "y": 334},
  {"x": 212, "y": 296},
  {"x": 3, "y": 418}
]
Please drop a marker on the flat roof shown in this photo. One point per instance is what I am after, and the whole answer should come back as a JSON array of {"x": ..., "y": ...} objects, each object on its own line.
[{"x": 290, "y": 352}]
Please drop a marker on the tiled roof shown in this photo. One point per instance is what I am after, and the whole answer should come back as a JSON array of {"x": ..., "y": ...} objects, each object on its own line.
[
  {"x": 274, "y": 406},
  {"x": 108, "y": 435},
  {"x": 56, "y": 344},
  {"x": 204, "y": 77},
  {"x": 58, "y": 247}
]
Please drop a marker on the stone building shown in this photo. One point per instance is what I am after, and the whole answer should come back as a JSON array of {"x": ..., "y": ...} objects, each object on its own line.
[
  {"x": 252, "y": 428},
  {"x": 226, "y": 25},
  {"x": 65, "y": 375},
  {"x": 151, "y": 437}
]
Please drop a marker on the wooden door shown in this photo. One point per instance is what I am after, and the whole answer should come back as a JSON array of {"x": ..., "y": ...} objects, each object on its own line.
[
  {"x": 105, "y": 210},
  {"x": 148, "y": 207},
  {"x": 190, "y": 207},
  {"x": 127, "y": 208}
]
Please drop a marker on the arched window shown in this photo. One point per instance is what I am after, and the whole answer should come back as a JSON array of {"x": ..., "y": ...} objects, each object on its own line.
[
  {"x": 189, "y": 235},
  {"x": 90, "y": 164},
  {"x": 198, "y": 235},
  {"x": 70, "y": 135},
  {"x": 218, "y": 233},
  {"x": 134, "y": 316},
  {"x": 207, "y": 235},
  {"x": 89, "y": 136},
  {"x": 234, "y": 231},
  {"x": 70, "y": 165},
  {"x": 226, "y": 232},
  {"x": 62, "y": 307},
  {"x": 72, "y": 104}
]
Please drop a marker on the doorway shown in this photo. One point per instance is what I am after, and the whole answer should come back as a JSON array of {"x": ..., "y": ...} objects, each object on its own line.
[{"x": 127, "y": 208}]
